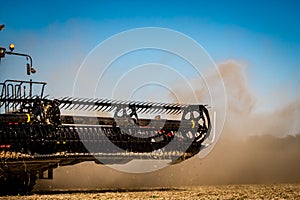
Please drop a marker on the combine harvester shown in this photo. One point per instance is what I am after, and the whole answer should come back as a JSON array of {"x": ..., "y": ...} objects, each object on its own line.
[{"x": 35, "y": 137}]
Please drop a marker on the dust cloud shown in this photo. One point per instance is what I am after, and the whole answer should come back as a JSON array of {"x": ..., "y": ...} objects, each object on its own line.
[
  {"x": 243, "y": 112},
  {"x": 253, "y": 148}
]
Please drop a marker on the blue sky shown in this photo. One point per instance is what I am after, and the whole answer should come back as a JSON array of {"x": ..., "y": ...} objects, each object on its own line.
[{"x": 59, "y": 34}]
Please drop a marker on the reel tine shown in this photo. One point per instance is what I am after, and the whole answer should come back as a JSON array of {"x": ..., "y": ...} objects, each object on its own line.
[
  {"x": 61, "y": 104},
  {"x": 157, "y": 108},
  {"x": 89, "y": 104},
  {"x": 172, "y": 112},
  {"x": 104, "y": 105},
  {"x": 140, "y": 106},
  {"x": 179, "y": 111},
  {"x": 160, "y": 108},
  {"x": 99, "y": 105},
  {"x": 146, "y": 107},
  {"x": 154, "y": 108},
  {"x": 76, "y": 106},
  {"x": 69, "y": 107},
  {"x": 93, "y": 104},
  {"x": 106, "y": 108},
  {"x": 79, "y": 107},
  {"x": 67, "y": 99},
  {"x": 84, "y": 107},
  {"x": 68, "y": 104},
  {"x": 169, "y": 110},
  {"x": 175, "y": 111}
]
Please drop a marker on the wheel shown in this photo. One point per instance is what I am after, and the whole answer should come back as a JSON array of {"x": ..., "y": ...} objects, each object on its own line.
[{"x": 17, "y": 183}]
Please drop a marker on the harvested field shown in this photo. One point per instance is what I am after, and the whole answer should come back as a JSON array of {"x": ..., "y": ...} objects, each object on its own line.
[{"x": 280, "y": 191}]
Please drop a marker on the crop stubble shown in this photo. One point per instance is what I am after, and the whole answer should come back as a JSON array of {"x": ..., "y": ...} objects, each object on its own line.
[{"x": 280, "y": 191}]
